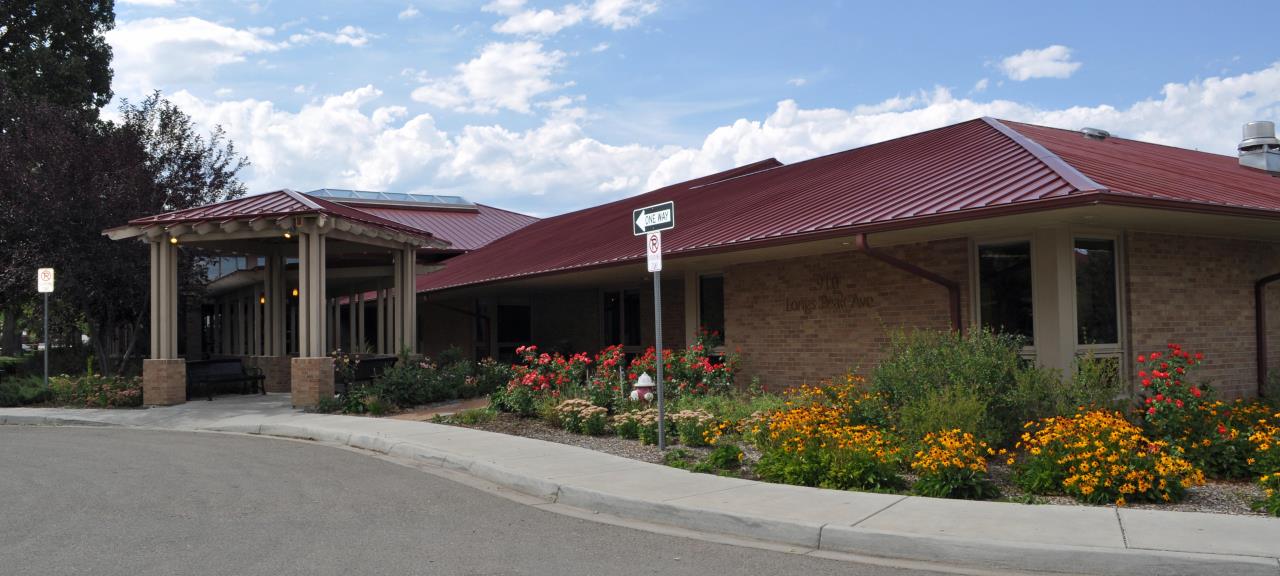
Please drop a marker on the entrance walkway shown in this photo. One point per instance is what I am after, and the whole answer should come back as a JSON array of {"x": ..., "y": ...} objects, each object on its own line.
[{"x": 1076, "y": 539}]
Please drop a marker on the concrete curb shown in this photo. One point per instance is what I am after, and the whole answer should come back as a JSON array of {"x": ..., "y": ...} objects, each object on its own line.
[
  {"x": 14, "y": 420},
  {"x": 803, "y": 536},
  {"x": 834, "y": 538}
]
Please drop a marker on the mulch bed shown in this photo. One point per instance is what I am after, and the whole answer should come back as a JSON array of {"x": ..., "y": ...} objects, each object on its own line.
[{"x": 1216, "y": 496}]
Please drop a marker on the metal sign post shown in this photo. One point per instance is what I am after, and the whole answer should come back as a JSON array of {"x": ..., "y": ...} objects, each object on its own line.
[
  {"x": 44, "y": 285},
  {"x": 650, "y": 222}
]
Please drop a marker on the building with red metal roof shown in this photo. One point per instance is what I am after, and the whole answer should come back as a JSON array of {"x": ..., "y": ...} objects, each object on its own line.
[
  {"x": 1088, "y": 247},
  {"x": 1064, "y": 238}
]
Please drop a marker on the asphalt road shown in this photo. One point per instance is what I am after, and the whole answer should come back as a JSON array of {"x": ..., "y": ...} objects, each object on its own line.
[{"x": 106, "y": 501}]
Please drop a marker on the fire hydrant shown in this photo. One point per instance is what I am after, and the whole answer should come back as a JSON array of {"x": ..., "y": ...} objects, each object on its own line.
[{"x": 643, "y": 388}]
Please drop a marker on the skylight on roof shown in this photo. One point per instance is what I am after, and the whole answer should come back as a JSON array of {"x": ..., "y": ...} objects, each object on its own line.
[{"x": 389, "y": 197}]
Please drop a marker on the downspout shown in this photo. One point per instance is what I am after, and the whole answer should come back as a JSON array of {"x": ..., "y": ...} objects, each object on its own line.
[
  {"x": 1260, "y": 315},
  {"x": 953, "y": 287}
]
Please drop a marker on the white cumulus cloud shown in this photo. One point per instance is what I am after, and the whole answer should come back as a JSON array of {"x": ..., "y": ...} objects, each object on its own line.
[
  {"x": 614, "y": 14},
  {"x": 158, "y": 53},
  {"x": 348, "y": 35},
  {"x": 408, "y": 13},
  {"x": 349, "y": 140},
  {"x": 505, "y": 75},
  {"x": 1051, "y": 62}
]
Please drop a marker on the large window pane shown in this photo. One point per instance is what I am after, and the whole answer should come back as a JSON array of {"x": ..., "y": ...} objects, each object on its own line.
[
  {"x": 711, "y": 305},
  {"x": 1004, "y": 288},
  {"x": 1096, "y": 314},
  {"x": 631, "y": 317}
]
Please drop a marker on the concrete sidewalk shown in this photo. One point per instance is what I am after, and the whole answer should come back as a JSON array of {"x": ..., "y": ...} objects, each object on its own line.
[{"x": 990, "y": 535}]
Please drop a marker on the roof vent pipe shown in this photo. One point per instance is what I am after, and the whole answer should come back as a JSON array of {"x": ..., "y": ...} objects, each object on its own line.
[
  {"x": 1095, "y": 133},
  {"x": 1260, "y": 149}
]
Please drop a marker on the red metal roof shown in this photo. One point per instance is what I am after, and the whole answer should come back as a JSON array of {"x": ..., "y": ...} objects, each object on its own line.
[
  {"x": 272, "y": 205},
  {"x": 969, "y": 170},
  {"x": 1154, "y": 171},
  {"x": 465, "y": 230}
]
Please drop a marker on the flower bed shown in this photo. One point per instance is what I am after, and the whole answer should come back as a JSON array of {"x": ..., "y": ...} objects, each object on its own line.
[{"x": 883, "y": 435}]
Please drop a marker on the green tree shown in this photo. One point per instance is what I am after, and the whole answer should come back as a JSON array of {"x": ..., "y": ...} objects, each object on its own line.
[{"x": 54, "y": 50}]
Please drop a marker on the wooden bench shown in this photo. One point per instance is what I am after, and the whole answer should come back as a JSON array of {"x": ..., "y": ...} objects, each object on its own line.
[
  {"x": 368, "y": 368},
  {"x": 205, "y": 375}
]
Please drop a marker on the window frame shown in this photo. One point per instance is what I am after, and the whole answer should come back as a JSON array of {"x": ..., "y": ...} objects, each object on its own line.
[
  {"x": 698, "y": 305},
  {"x": 1121, "y": 312}
]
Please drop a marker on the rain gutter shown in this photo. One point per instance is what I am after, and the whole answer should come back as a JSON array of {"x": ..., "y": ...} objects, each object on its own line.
[{"x": 953, "y": 287}]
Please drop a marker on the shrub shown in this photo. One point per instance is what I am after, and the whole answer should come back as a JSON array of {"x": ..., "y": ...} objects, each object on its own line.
[
  {"x": 1270, "y": 502},
  {"x": 1099, "y": 457},
  {"x": 581, "y": 417},
  {"x": 694, "y": 427},
  {"x": 20, "y": 391},
  {"x": 945, "y": 409},
  {"x": 814, "y": 446},
  {"x": 490, "y": 376},
  {"x": 1265, "y": 444},
  {"x": 474, "y": 416},
  {"x": 724, "y": 458},
  {"x": 519, "y": 400},
  {"x": 627, "y": 425},
  {"x": 953, "y": 464},
  {"x": 96, "y": 391},
  {"x": 1170, "y": 401},
  {"x": 693, "y": 370}
]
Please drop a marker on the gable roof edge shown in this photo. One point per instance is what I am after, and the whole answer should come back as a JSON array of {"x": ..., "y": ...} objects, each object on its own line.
[{"x": 1068, "y": 172}]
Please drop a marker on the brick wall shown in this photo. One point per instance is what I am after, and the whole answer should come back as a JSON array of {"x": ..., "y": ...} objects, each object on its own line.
[
  {"x": 567, "y": 321},
  {"x": 310, "y": 380},
  {"x": 806, "y": 319},
  {"x": 1199, "y": 292},
  {"x": 164, "y": 382}
]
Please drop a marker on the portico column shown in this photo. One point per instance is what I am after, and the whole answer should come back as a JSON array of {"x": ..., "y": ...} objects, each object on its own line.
[
  {"x": 381, "y": 321},
  {"x": 359, "y": 321},
  {"x": 164, "y": 375},
  {"x": 406, "y": 309},
  {"x": 255, "y": 332},
  {"x": 351, "y": 321},
  {"x": 311, "y": 374}
]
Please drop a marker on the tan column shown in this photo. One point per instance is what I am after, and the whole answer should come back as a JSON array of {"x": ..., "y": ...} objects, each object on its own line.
[
  {"x": 304, "y": 296},
  {"x": 351, "y": 323},
  {"x": 256, "y": 333},
  {"x": 155, "y": 300},
  {"x": 409, "y": 307},
  {"x": 397, "y": 286},
  {"x": 275, "y": 290},
  {"x": 381, "y": 321},
  {"x": 360, "y": 341}
]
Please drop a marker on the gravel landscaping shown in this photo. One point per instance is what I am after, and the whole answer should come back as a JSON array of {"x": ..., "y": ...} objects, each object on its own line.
[{"x": 1215, "y": 496}]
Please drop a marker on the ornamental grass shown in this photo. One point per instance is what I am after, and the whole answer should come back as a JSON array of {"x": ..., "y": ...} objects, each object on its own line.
[
  {"x": 1099, "y": 457},
  {"x": 953, "y": 464}
]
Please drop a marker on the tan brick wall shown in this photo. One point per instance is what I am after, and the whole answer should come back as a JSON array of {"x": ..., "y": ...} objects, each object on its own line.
[
  {"x": 1198, "y": 292},
  {"x": 311, "y": 380},
  {"x": 275, "y": 370},
  {"x": 806, "y": 319},
  {"x": 164, "y": 382}
]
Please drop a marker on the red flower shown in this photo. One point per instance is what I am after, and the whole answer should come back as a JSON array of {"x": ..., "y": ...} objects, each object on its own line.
[
  {"x": 1178, "y": 403},
  {"x": 1151, "y": 410},
  {"x": 1159, "y": 397},
  {"x": 1195, "y": 392},
  {"x": 1146, "y": 382},
  {"x": 1142, "y": 358},
  {"x": 1199, "y": 356},
  {"x": 1222, "y": 429}
]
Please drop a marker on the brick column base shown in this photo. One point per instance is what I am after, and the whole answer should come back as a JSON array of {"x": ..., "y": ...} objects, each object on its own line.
[
  {"x": 310, "y": 380},
  {"x": 275, "y": 369},
  {"x": 164, "y": 382}
]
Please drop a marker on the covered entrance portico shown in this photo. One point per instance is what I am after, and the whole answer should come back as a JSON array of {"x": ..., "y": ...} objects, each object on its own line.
[{"x": 281, "y": 316}]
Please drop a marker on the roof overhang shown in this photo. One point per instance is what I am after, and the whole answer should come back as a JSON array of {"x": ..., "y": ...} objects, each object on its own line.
[{"x": 273, "y": 226}]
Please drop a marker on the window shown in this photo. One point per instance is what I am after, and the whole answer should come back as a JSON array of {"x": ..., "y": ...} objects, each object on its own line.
[
  {"x": 622, "y": 317},
  {"x": 515, "y": 329},
  {"x": 711, "y": 305},
  {"x": 1004, "y": 288},
  {"x": 1097, "y": 318}
]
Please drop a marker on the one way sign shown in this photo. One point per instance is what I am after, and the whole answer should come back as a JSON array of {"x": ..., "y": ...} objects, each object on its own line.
[{"x": 653, "y": 218}]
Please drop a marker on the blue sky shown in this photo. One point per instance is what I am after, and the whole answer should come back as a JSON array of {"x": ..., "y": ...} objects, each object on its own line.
[{"x": 544, "y": 107}]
